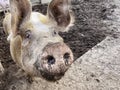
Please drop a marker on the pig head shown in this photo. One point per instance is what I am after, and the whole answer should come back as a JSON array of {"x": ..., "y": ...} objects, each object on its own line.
[{"x": 35, "y": 44}]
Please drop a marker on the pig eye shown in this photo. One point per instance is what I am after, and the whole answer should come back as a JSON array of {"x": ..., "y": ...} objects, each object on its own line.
[{"x": 28, "y": 34}]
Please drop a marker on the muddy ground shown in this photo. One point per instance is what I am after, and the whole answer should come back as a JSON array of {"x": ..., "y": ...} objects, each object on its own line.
[{"x": 89, "y": 30}]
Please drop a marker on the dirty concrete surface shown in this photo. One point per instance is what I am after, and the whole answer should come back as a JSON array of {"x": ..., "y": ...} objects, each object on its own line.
[{"x": 95, "y": 42}]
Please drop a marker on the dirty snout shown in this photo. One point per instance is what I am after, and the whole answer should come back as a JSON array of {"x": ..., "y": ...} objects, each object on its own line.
[{"x": 55, "y": 61}]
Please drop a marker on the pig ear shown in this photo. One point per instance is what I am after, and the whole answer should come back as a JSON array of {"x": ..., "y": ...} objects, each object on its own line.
[
  {"x": 58, "y": 10},
  {"x": 20, "y": 14}
]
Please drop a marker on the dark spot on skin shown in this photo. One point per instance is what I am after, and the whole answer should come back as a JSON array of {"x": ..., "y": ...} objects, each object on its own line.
[{"x": 55, "y": 32}]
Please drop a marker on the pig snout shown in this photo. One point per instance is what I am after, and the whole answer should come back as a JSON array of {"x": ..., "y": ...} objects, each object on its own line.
[{"x": 55, "y": 61}]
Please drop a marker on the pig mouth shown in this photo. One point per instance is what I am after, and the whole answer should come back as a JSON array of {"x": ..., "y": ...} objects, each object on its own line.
[
  {"x": 50, "y": 72},
  {"x": 51, "y": 77}
]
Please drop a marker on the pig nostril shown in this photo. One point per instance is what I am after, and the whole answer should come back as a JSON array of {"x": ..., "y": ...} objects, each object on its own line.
[
  {"x": 66, "y": 57},
  {"x": 51, "y": 60}
]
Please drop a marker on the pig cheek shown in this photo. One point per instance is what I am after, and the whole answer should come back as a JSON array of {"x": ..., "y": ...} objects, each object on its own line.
[
  {"x": 25, "y": 42},
  {"x": 28, "y": 62}
]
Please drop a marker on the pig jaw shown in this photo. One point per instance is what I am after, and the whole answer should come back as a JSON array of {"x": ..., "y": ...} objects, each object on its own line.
[{"x": 55, "y": 60}]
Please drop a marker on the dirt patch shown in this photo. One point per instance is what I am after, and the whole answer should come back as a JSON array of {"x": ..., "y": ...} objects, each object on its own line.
[{"x": 88, "y": 30}]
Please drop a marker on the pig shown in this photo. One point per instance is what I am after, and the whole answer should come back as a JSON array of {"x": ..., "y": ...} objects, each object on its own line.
[
  {"x": 35, "y": 45},
  {"x": 5, "y": 5}
]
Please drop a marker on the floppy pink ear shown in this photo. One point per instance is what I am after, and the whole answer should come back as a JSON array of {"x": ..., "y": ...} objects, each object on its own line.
[
  {"x": 58, "y": 10},
  {"x": 20, "y": 14}
]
